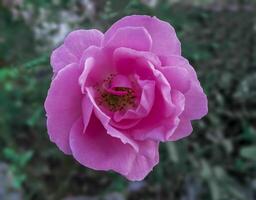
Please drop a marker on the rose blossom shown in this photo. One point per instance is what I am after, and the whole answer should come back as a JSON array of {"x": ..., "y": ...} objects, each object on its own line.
[{"x": 115, "y": 96}]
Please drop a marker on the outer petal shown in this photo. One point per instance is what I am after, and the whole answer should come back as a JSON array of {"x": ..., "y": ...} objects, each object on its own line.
[
  {"x": 184, "y": 129},
  {"x": 100, "y": 151},
  {"x": 132, "y": 37},
  {"x": 62, "y": 57},
  {"x": 74, "y": 45},
  {"x": 196, "y": 105},
  {"x": 196, "y": 101},
  {"x": 63, "y": 106},
  {"x": 179, "y": 101},
  {"x": 178, "y": 77},
  {"x": 179, "y": 61},
  {"x": 144, "y": 162},
  {"x": 78, "y": 41},
  {"x": 164, "y": 39}
]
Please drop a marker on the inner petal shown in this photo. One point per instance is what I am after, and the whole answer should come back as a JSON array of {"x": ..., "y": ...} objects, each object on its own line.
[
  {"x": 146, "y": 99},
  {"x": 117, "y": 93},
  {"x": 119, "y": 85},
  {"x": 132, "y": 116}
]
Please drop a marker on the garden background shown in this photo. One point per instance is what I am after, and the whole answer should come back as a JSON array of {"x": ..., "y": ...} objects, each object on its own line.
[{"x": 217, "y": 162}]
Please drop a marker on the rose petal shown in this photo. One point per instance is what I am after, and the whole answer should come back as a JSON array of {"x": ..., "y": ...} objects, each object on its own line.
[
  {"x": 63, "y": 106},
  {"x": 97, "y": 65},
  {"x": 145, "y": 160},
  {"x": 161, "y": 121},
  {"x": 164, "y": 39},
  {"x": 62, "y": 57},
  {"x": 178, "y": 77},
  {"x": 79, "y": 40},
  {"x": 105, "y": 120},
  {"x": 98, "y": 150},
  {"x": 196, "y": 105},
  {"x": 74, "y": 45},
  {"x": 145, "y": 104},
  {"x": 132, "y": 37},
  {"x": 165, "y": 129},
  {"x": 131, "y": 117},
  {"x": 83, "y": 79},
  {"x": 196, "y": 101},
  {"x": 179, "y": 61},
  {"x": 184, "y": 129},
  {"x": 87, "y": 108},
  {"x": 128, "y": 61},
  {"x": 157, "y": 130},
  {"x": 178, "y": 100},
  {"x": 163, "y": 118},
  {"x": 121, "y": 81},
  {"x": 163, "y": 93}
]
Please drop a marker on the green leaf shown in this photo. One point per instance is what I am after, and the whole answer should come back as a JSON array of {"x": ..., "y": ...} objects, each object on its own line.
[
  {"x": 215, "y": 190},
  {"x": 249, "y": 152},
  {"x": 206, "y": 171},
  {"x": 10, "y": 154},
  {"x": 173, "y": 153}
]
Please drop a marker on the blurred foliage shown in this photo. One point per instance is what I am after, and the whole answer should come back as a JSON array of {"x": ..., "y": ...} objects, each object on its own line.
[
  {"x": 12, "y": 40},
  {"x": 18, "y": 163},
  {"x": 217, "y": 162}
]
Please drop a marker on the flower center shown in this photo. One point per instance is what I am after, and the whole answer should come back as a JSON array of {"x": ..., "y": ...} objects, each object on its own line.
[{"x": 116, "y": 93}]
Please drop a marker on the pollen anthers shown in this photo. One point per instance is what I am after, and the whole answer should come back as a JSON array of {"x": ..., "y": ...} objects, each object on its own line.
[{"x": 115, "y": 98}]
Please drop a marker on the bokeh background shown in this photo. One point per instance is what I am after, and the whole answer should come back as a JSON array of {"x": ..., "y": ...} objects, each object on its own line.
[{"x": 217, "y": 162}]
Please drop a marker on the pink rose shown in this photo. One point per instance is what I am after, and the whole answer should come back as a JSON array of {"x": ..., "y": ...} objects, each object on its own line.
[{"x": 115, "y": 96}]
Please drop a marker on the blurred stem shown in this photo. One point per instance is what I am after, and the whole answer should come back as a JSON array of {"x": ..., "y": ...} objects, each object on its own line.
[{"x": 44, "y": 59}]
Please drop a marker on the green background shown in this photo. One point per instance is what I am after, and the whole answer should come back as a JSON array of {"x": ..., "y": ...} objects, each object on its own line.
[{"x": 217, "y": 162}]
